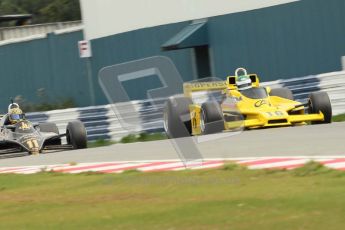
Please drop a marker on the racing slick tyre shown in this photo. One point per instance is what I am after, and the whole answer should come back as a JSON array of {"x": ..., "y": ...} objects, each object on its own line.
[
  {"x": 177, "y": 121},
  {"x": 319, "y": 101},
  {"x": 282, "y": 92},
  {"x": 76, "y": 135},
  {"x": 212, "y": 119},
  {"x": 49, "y": 127}
]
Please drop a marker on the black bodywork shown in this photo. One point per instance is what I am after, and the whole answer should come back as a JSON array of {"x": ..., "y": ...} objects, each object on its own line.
[{"x": 27, "y": 137}]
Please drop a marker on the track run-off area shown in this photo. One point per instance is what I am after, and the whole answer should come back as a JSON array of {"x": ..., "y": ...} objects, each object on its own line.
[{"x": 287, "y": 147}]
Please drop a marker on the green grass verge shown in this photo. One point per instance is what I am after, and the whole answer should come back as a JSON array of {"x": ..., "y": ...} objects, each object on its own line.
[
  {"x": 338, "y": 118},
  {"x": 142, "y": 137},
  {"x": 131, "y": 138},
  {"x": 100, "y": 143},
  {"x": 311, "y": 197}
]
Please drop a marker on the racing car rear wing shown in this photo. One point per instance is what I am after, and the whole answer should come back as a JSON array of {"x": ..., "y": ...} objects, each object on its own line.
[
  {"x": 189, "y": 88},
  {"x": 230, "y": 83}
]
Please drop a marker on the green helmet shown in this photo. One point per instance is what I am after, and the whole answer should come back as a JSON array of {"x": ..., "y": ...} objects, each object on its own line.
[{"x": 243, "y": 82}]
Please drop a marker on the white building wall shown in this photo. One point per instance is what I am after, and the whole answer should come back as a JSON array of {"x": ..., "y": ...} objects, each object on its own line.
[{"x": 107, "y": 17}]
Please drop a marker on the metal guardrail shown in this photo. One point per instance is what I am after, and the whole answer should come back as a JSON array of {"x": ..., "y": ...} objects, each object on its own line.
[
  {"x": 31, "y": 30},
  {"x": 101, "y": 122}
]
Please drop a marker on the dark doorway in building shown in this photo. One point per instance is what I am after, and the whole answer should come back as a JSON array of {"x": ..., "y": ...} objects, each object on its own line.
[{"x": 202, "y": 61}]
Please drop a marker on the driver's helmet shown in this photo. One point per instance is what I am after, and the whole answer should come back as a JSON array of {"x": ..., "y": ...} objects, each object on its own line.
[
  {"x": 12, "y": 106},
  {"x": 15, "y": 115},
  {"x": 243, "y": 82}
]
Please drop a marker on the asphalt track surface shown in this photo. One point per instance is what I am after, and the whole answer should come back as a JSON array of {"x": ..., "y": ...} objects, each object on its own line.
[{"x": 312, "y": 140}]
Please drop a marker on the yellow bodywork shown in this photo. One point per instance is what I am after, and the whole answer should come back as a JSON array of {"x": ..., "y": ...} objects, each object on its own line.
[{"x": 270, "y": 111}]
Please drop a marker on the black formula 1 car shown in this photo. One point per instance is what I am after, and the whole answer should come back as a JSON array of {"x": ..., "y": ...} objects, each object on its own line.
[{"x": 25, "y": 136}]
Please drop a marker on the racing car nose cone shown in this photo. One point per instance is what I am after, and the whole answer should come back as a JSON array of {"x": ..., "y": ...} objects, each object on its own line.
[{"x": 35, "y": 153}]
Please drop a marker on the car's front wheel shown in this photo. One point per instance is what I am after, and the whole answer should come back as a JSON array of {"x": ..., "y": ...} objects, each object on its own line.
[
  {"x": 212, "y": 119},
  {"x": 319, "y": 102},
  {"x": 177, "y": 120},
  {"x": 76, "y": 135}
]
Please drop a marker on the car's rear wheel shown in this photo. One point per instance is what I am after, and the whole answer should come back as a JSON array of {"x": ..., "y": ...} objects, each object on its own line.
[
  {"x": 212, "y": 119},
  {"x": 320, "y": 102},
  {"x": 76, "y": 135},
  {"x": 177, "y": 120},
  {"x": 283, "y": 93}
]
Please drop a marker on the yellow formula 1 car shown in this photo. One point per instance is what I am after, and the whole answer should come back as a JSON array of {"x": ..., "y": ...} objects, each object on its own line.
[{"x": 244, "y": 103}]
